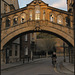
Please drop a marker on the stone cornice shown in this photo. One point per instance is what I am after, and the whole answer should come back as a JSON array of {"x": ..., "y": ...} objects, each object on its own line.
[
  {"x": 58, "y": 10},
  {"x": 13, "y": 12}
]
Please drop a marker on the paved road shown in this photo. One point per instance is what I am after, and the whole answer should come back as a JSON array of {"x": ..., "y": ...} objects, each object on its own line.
[{"x": 40, "y": 67}]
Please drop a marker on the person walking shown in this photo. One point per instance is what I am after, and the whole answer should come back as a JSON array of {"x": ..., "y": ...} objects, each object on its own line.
[{"x": 54, "y": 57}]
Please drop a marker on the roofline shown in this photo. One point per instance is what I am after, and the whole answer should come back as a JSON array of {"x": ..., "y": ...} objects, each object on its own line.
[
  {"x": 18, "y": 3},
  {"x": 33, "y": 1},
  {"x": 10, "y": 4},
  {"x": 24, "y": 8},
  {"x": 6, "y": 2},
  {"x": 59, "y": 10},
  {"x": 13, "y": 12}
]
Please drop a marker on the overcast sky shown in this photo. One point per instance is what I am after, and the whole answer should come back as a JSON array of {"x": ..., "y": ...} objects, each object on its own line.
[{"x": 61, "y": 4}]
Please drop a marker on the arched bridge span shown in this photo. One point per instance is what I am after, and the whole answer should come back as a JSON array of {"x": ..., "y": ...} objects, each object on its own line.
[
  {"x": 37, "y": 16},
  {"x": 63, "y": 31}
]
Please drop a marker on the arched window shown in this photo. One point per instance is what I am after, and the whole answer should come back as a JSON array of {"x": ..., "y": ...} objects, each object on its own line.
[
  {"x": 67, "y": 21},
  {"x": 37, "y": 12},
  {"x": 52, "y": 17},
  {"x": 59, "y": 19},
  {"x": 43, "y": 14},
  {"x": 23, "y": 17},
  {"x": 70, "y": 1},
  {"x": 7, "y": 22},
  {"x": 15, "y": 20},
  {"x": 30, "y": 15}
]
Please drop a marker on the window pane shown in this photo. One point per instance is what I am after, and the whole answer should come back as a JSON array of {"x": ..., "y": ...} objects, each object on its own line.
[
  {"x": 26, "y": 37},
  {"x": 7, "y": 22},
  {"x": 15, "y": 20},
  {"x": 59, "y": 19},
  {"x": 52, "y": 17},
  {"x": 37, "y": 12},
  {"x": 23, "y": 18},
  {"x": 43, "y": 14},
  {"x": 26, "y": 50},
  {"x": 10, "y": 52},
  {"x": 30, "y": 14}
]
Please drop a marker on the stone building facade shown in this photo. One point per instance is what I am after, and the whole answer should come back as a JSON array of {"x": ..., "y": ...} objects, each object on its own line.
[
  {"x": 70, "y": 9},
  {"x": 33, "y": 13},
  {"x": 25, "y": 46},
  {"x": 10, "y": 53},
  {"x": 19, "y": 48},
  {"x": 9, "y": 5}
]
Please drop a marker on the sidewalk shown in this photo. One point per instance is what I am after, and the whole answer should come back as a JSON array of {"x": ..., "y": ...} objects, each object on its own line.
[
  {"x": 11, "y": 65},
  {"x": 69, "y": 66},
  {"x": 65, "y": 67}
]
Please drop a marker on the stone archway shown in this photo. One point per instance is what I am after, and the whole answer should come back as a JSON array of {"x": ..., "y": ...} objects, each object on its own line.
[{"x": 37, "y": 26}]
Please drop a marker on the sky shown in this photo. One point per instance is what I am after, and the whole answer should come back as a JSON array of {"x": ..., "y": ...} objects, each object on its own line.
[{"x": 60, "y": 4}]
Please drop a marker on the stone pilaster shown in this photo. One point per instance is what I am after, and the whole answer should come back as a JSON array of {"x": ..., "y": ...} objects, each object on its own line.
[{"x": 72, "y": 55}]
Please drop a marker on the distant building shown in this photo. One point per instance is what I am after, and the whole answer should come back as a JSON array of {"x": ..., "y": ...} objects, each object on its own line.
[
  {"x": 25, "y": 46},
  {"x": 18, "y": 48},
  {"x": 70, "y": 4},
  {"x": 58, "y": 45},
  {"x": 11, "y": 50},
  {"x": 9, "y": 5}
]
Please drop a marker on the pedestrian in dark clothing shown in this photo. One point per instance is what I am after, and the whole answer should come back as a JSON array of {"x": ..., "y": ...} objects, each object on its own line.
[{"x": 54, "y": 57}]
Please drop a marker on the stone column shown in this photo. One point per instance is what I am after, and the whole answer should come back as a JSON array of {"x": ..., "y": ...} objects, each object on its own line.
[
  {"x": 74, "y": 31},
  {"x": 72, "y": 55},
  {"x": 2, "y": 60},
  {"x": 3, "y": 56},
  {"x": 11, "y": 22},
  {"x": 69, "y": 52}
]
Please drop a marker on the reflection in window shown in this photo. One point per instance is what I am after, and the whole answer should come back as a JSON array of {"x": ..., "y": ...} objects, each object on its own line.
[
  {"x": 7, "y": 22},
  {"x": 37, "y": 12},
  {"x": 26, "y": 50},
  {"x": 26, "y": 37},
  {"x": 15, "y": 20},
  {"x": 23, "y": 17},
  {"x": 30, "y": 15},
  {"x": 43, "y": 14},
  {"x": 59, "y": 19},
  {"x": 52, "y": 17}
]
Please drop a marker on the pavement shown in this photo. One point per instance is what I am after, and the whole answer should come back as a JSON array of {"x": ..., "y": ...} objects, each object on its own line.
[
  {"x": 62, "y": 67},
  {"x": 15, "y": 64},
  {"x": 65, "y": 67},
  {"x": 69, "y": 66}
]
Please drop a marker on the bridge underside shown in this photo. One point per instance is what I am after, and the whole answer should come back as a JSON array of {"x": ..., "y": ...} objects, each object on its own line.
[{"x": 57, "y": 30}]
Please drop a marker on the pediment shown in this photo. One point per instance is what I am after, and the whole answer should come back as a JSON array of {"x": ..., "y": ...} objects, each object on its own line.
[{"x": 33, "y": 3}]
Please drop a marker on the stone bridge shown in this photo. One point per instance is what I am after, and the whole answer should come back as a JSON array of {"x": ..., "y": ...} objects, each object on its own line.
[{"x": 37, "y": 17}]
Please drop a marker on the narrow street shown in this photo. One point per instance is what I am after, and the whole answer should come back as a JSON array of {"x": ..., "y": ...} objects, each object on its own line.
[{"x": 40, "y": 67}]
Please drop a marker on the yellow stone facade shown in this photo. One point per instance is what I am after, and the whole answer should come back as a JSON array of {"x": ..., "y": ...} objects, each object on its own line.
[
  {"x": 6, "y": 7},
  {"x": 45, "y": 18}
]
